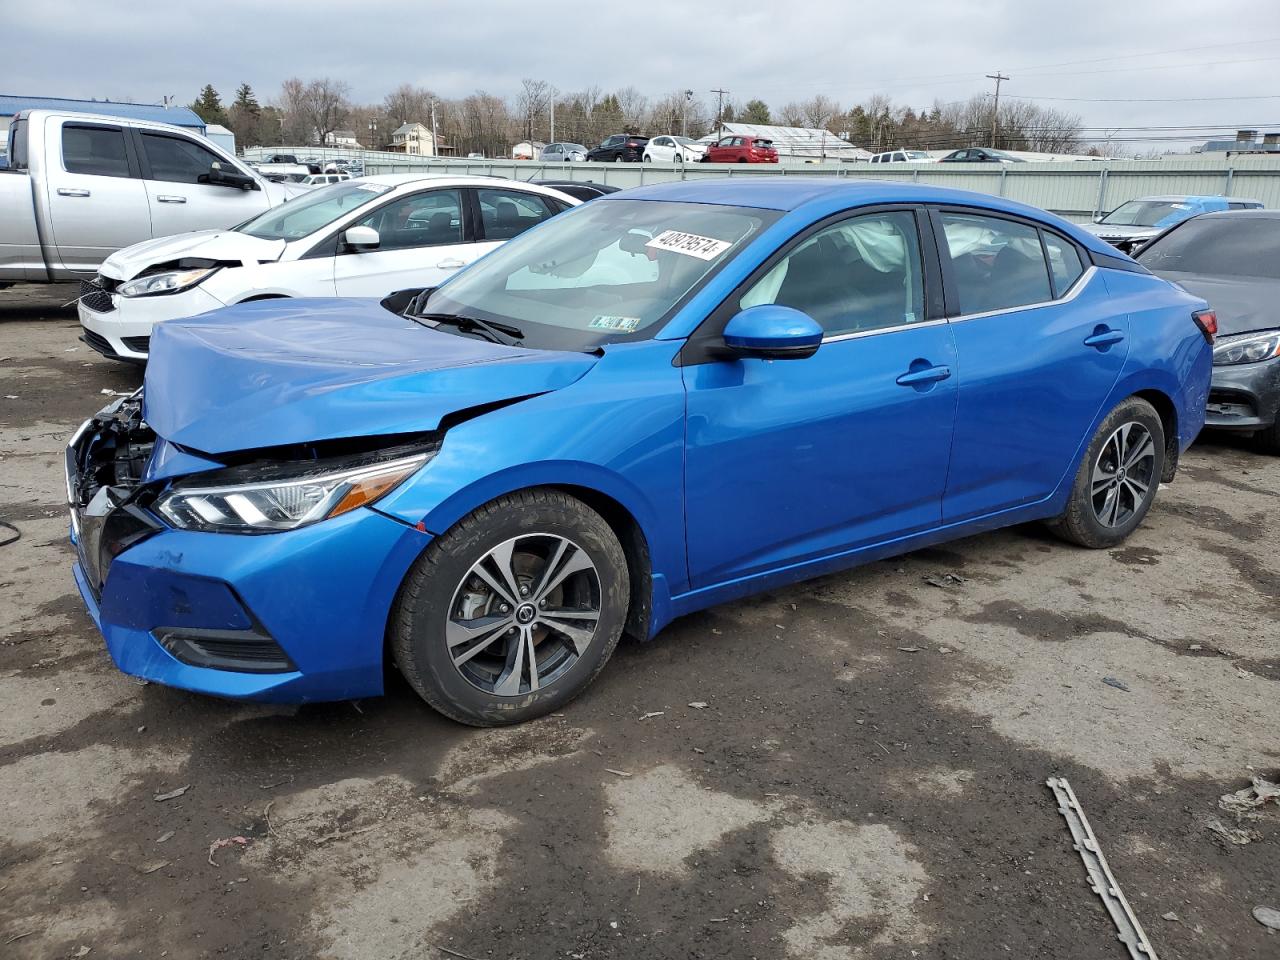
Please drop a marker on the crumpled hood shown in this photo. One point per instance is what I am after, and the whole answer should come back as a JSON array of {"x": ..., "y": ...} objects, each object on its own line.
[
  {"x": 208, "y": 244},
  {"x": 277, "y": 372},
  {"x": 1242, "y": 304},
  {"x": 1115, "y": 231}
]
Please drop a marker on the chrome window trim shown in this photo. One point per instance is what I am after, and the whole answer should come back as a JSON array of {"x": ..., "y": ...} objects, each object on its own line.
[
  {"x": 1082, "y": 281},
  {"x": 859, "y": 334}
]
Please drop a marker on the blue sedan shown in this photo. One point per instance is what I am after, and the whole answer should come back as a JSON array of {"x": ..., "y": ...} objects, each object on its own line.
[{"x": 659, "y": 401}]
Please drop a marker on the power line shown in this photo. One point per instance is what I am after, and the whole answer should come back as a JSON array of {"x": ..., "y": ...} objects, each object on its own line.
[{"x": 1265, "y": 96}]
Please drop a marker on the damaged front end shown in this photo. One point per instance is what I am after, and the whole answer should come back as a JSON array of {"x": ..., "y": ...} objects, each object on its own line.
[{"x": 105, "y": 462}]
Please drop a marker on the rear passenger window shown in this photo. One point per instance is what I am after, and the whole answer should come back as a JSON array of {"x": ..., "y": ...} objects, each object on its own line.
[
  {"x": 857, "y": 275},
  {"x": 1064, "y": 263},
  {"x": 995, "y": 264},
  {"x": 98, "y": 151},
  {"x": 509, "y": 213}
]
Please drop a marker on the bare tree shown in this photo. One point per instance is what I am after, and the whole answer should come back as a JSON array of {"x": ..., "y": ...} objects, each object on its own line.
[
  {"x": 818, "y": 111},
  {"x": 313, "y": 110},
  {"x": 533, "y": 107},
  {"x": 790, "y": 115},
  {"x": 407, "y": 104},
  {"x": 296, "y": 128},
  {"x": 633, "y": 105}
]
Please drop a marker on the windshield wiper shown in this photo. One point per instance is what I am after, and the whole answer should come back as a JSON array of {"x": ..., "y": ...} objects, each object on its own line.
[{"x": 502, "y": 333}]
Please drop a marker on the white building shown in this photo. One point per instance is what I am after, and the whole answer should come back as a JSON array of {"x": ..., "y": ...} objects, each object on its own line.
[
  {"x": 414, "y": 139},
  {"x": 341, "y": 138}
]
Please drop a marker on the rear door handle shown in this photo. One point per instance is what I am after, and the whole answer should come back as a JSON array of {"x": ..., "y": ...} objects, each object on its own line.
[
  {"x": 451, "y": 264},
  {"x": 72, "y": 192},
  {"x": 924, "y": 375},
  {"x": 170, "y": 198},
  {"x": 1103, "y": 338}
]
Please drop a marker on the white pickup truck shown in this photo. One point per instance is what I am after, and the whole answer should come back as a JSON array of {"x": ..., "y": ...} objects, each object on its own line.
[{"x": 80, "y": 187}]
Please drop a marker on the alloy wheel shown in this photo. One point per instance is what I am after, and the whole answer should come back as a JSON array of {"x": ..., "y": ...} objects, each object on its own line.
[
  {"x": 1123, "y": 474},
  {"x": 524, "y": 614}
]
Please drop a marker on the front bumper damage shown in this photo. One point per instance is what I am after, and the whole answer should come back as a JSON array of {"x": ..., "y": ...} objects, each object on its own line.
[
  {"x": 1244, "y": 396},
  {"x": 285, "y": 617}
]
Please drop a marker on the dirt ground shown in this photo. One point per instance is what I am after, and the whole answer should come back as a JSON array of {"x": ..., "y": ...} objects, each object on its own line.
[{"x": 866, "y": 779}]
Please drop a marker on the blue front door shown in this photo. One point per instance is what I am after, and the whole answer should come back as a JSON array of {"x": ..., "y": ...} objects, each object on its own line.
[{"x": 795, "y": 460}]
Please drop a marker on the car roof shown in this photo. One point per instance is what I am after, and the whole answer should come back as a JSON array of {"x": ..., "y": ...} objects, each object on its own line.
[
  {"x": 1237, "y": 214},
  {"x": 826, "y": 195},
  {"x": 1196, "y": 198}
]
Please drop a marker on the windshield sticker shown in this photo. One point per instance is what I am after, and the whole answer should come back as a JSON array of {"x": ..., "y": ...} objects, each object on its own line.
[
  {"x": 621, "y": 324},
  {"x": 690, "y": 244}
]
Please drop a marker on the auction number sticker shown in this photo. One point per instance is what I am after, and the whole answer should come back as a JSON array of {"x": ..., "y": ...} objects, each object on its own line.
[
  {"x": 621, "y": 324},
  {"x": 690, "y": 244}
]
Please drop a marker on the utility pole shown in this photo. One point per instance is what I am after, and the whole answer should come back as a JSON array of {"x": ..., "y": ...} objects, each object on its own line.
[
  {"x": 553, "y": 117},
  {"x": 995, "y": 114},
  {"x": 435, "y": 144},
  {"x": 684, "y": 115},
  {"x": 720, "y": 95}
]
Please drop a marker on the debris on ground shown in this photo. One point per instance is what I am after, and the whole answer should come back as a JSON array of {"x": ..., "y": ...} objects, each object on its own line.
[
  {"x": 153, "y": 867},
  {"x": 946, "y": 581},
  {"x": 167, "y": 835},
  {"x": 1244, "y": 802},
  {"x": 652, "y": 714},
  {"x": 225, "y": 842},
  {"x": 1101, "y": 880},
  {"x": 1269, "y": 917},
  {"x": 909, "y": 649},
  {"x": 173, "y": 794},
  {"x": 83, "y": 951},
  {"x": 1116, "y": 682},
  {"x": 699, "y": 705},
  {"x": 623, "y": 773},
  {"x": 1170, "y": 916},
  {"x": 1236, "y": 835}
]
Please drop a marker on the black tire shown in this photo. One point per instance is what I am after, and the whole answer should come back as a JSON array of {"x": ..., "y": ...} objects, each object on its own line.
[
  {"x": 742, "y": 159},
  {"x": 1092, "y": 518},
  {"x": 428, "y": 605},
  {"x": 1268, "y": 440},
  {"x": 619, "y": 159}
]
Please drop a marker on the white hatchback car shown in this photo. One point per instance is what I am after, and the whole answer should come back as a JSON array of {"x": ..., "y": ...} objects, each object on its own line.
[
  {"x": 359, "y": 238},
  {"x": 669, "y": 149}
]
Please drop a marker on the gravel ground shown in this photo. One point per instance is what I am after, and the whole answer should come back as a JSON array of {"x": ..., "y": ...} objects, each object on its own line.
[{"x": 866, "y": 779}]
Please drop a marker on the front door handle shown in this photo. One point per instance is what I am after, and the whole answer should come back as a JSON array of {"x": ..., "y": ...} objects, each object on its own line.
[
  {"x": 170, "y": 198},
  {"x": 920, "y": 374},
  {"x": 1103, "y": 337},
  {"x": 451, "y": 264},
  {"x": 72, "y": 192}
]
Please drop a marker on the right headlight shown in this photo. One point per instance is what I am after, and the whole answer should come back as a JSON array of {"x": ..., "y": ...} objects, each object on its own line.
[
  {"x": 283, "y": 502},
  {"x": 1246, "y": 348},
  {"x": 171, "y": 281}
]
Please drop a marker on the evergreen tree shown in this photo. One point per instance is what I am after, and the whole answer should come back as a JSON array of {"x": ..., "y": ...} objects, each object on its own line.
[
  {"x": 245, "y": 118},
  {"x": 756, "y": 111},
  {"x": 208, "y": 106}
]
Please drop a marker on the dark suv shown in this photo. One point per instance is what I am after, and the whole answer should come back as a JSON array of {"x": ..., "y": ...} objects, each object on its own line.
[{"x": 620, "y": 148}]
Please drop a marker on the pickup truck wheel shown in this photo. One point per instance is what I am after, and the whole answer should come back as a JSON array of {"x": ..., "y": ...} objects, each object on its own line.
[
  {"x": 512, "y": 612},
  {"x": 1117, "y": 479}
]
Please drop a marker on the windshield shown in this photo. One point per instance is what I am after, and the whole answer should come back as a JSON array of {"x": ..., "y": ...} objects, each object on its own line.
[
  {"x": 1218, "y": 246},
  {"x": 307, "y": 214},
  {"x": 685, "y": 141},
  {"x": 917, "y": 155},
  {"x": 1149, "y": 213},
  {"x": 609, "y": 270}
]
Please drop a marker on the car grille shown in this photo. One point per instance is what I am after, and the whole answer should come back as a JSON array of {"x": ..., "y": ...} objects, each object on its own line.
[{"x": 94, "y": 297}]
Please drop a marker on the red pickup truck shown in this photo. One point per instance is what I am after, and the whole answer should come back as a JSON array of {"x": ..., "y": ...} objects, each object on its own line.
[{"x": 736, "y": 149}]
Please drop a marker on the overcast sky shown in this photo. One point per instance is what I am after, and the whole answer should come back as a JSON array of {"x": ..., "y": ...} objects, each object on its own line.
[{"x": 914, "y": 52}]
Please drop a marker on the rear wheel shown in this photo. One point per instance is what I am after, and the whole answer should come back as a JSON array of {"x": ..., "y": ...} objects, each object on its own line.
[
  {"x": 618, "y": 159},
  {"x": 512, "y": 612},
  {"x": 648, "y": 159},
  {"x": 1117, "y": 479},
  {"x": 742, "y": 159}
]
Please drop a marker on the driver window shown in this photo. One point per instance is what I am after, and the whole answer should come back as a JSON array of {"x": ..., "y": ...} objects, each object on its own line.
[
  {"x": 857, "y": 275},
  {"x": 428, "y": 219},
  {"x": 176, "y": 160}
]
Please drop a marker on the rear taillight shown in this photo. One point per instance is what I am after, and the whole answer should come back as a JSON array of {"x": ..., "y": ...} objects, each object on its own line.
[
  {"x": 1207, "y": 321},
  {"x": 633, "y": 143}
]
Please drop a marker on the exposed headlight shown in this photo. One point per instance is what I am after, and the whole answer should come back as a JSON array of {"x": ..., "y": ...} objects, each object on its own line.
[
  {"x": 1246, "y": 348},
  {"x": 174, "y": 281},
  {"x": 287, "y": 502}
]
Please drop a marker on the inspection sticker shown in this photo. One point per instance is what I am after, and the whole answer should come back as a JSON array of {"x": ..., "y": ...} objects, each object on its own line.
[
  {"x": 690, "y": 244},
  {"x": 621, "y": 324}
]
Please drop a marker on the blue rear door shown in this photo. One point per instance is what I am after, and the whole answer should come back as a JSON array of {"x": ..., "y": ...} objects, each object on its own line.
[
  {"x": 793, "y": 460},
  {"x": 1039, "y": 349}
]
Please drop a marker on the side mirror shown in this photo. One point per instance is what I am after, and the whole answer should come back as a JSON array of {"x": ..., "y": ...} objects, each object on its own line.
[
  {"x": 1099, "y": 218},
  {"x": 223, "y": 177},
  {"x": 361, "y": 239},
  {"x": 773, "y": 332}
]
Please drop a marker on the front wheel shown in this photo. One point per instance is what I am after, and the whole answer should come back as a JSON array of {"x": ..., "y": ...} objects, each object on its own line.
[
  {"x": 618, "y": 159},
  {"x": 647, "y": 159},
  {"x": 1117, "y": 479},
  {"x": 512, "y": 612}
]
